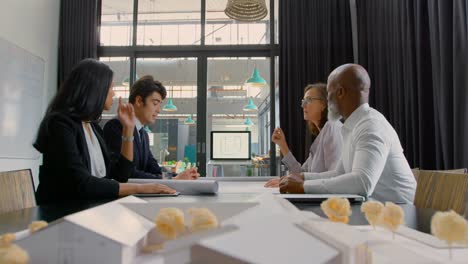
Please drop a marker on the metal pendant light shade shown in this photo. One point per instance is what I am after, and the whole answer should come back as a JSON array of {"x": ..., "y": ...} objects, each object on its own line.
[
  {"x": 246, "y": 10},
  {"x": 170, "y": 107},
  {"x": 126, "y": 81},
  {"x": 256, "y": 80},
  {"x": 248, "y": 122},
  {"x": 250, "y": 106},
  {"x": 189, "y": 121}
]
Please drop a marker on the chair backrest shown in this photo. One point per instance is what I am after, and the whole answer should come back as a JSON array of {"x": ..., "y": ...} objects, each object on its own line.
[
  {"x": 417, "y": 170},
  {"x": 16, "y": 190},
  {"x": 442, "y": 191},
  {"x": 463, "y": 170},
  {"x": 415, "y": 173}
]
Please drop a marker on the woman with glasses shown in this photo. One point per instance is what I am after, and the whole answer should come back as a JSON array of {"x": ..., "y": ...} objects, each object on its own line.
[
  {"x": 326, "y": 150},
  {"x": 76, "y": 163}
]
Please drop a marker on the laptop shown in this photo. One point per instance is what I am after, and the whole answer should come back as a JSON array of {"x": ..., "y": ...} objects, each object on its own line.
[{"x": 318, "y": 198}]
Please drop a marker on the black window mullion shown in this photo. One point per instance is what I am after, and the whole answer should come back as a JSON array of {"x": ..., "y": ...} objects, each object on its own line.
[
  {"x": 132, "y": 69},
  {"x": 202, "y": 68},
  {"x": 135, "y": 22},
  {"x": 272, "y": 87},
  {"x": 134, "y": 43},
  {"x": 272, "y": 23},
  {"x": 203, "y": 22},
  {"x": 272, "y": 114}
]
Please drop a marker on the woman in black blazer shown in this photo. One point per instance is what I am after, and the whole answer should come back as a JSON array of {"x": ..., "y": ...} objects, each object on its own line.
[{"x": 66, "y": 170}]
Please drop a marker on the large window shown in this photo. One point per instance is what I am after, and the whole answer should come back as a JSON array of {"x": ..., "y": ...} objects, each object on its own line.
[
  {"x": 227, "y": 95},
  {"x": 173, "y": 137},
  {"x": 121, "y": 83},
  {"x": 221, "y": 30},
  {"x": 203, "y": 58},
  {"x": 169, "y": 22},
  {"x": 116, "y": 22}
]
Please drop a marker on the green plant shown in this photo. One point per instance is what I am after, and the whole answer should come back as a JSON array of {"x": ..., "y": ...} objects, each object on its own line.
[{"x": 249, "y": 170}]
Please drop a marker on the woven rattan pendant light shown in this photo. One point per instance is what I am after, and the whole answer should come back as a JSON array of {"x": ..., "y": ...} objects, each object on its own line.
[{"x": 246, "y": 10}]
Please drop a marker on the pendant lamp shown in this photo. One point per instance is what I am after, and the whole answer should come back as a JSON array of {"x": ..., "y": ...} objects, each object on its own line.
[
  {"x": 246, "y": 10},
  {"x": 170, "y": 107}
]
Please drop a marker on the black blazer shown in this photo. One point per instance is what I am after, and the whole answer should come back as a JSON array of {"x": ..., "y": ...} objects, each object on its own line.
[
  {"x": 146, "y": 166},
  {"x": 65, "y": 173}
]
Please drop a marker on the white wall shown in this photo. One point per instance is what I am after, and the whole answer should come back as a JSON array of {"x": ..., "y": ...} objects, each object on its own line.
[{"x": 34, "y": 26}]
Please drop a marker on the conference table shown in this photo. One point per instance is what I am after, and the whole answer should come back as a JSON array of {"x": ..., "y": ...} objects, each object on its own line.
[{"x": 415, "y": 218}]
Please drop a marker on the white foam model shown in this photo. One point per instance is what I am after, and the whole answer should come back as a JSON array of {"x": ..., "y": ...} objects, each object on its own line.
[
  {"x": 178, "y": 250},
  {"x": 272, "y": 239},
  {"x": 267, "y": 234},
  {"x": 409, "y": 247},
  {"x": 116, "y": 233},
  {"x": 265, "y": 229},
  {"x": 363, "y": 244},
  {"x": 109, "y": 233},
  {"x": 350, "y": 242}
]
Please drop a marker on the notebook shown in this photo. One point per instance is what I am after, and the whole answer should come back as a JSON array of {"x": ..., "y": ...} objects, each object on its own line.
[{"x": 318, "y": 198}]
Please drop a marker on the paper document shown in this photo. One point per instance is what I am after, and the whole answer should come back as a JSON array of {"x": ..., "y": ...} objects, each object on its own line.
[
  {"x": 157, "y": 194},
  {"x": 189, "y": 187},
  {"x": 263, "y": 179},
  {"x": 315, "y": 198},
  {"x": 245, "y": 187}
]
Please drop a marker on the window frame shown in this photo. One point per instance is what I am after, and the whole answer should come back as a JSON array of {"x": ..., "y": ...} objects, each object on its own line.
[{"x": 202, "y": 52}]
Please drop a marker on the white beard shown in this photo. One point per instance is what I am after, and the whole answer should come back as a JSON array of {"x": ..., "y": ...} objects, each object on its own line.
[{"x": 333, "y": 114}]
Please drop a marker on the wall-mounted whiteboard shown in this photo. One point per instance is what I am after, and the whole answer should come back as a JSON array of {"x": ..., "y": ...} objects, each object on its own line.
[{"x": 21, "y": 97}]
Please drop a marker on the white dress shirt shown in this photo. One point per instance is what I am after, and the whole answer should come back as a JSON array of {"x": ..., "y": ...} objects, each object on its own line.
[
  {"x": 138, "y": 126},
  {"x": 372, "y": 162},
  {"x": 98, "y": 167},
  {"x": 324, "y": 153}
]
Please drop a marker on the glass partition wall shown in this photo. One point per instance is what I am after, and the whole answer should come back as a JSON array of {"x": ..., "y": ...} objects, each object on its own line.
[{"x": 204, "y": 59}]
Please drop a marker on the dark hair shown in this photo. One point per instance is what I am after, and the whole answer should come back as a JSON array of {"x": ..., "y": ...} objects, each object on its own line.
[
  {"x": 322, "y": 89},
  {"x": 83, "y": 93},
  {"x": 144, "y": 87}
]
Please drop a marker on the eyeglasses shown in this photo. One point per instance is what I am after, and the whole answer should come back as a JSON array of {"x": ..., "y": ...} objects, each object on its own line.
[{"x": 307, "y": 101}]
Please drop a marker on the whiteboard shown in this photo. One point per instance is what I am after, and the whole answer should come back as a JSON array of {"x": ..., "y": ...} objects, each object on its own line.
[{"x": 21, "y": 97}]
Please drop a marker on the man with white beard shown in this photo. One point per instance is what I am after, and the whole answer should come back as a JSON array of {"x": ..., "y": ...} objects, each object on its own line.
[{"x": 372, "y": 163}]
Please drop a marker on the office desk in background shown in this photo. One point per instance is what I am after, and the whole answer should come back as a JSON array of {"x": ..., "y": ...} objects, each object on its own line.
[
  {"x": 216, "y": 168},
  {"x": 415, "y": 218}
]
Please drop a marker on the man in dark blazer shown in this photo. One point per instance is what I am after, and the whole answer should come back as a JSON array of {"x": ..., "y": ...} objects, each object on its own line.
[{"x": 146, "y": 96}]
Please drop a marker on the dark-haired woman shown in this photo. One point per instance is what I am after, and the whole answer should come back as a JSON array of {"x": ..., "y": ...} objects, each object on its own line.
[
  {"x": 76, "y": 163},
  {"x": 326, "y": 150}
]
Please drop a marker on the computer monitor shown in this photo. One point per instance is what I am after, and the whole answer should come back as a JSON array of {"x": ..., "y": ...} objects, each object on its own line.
[{"x": 230, "y": 145}]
